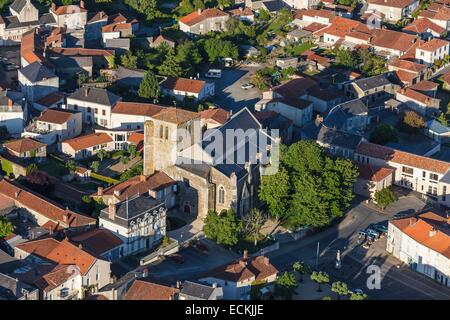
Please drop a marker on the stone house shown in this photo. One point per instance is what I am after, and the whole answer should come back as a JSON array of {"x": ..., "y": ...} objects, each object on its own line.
[
  {"x": 37, "y": 81},
  {"x": 87, "y": 146},
  {"x": 72, "y": 17},
  {"x": 394, "y": 10},
  {"x": 27, "y": 148},
  {"x": 203, "y": 21}
]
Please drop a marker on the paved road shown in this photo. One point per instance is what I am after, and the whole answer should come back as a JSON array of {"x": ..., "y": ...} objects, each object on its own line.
[{"x": 395, "y": 284}]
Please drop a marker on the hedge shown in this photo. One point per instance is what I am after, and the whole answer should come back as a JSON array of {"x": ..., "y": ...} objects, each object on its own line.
[{"x": 103, "y": 178}]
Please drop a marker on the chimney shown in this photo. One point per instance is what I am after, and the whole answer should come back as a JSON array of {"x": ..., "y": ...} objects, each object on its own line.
[
  {"x": 65, "y": 217},
  {"x": 214, "y": 285},
  {"x": 53, "y": 6},
  {"x": 266, "y": 261},
  {"x": 86, "y": 91},
  {"x": 142, "y": 178},
  {"x": 10, "y": 104},
  {"x": 80, "y": 246},
  {"x": 319, "y": 120},
  {"x": 117, "y": 193},
  {"x": 100, "y": 191},
  {"x": 243, "y": 263},
  {"x": 245, "y": 255},
  {"x": 432, "y": 232},
  {"x": 178, "y": 285},
  {"x": 111, "y": 211},
  {"x": 16, "y": 194},
  {"x": 82, "y": 4},
  {"x": 199, "y": 11}
]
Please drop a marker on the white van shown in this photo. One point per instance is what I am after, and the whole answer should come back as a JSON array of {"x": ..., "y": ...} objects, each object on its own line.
[{"x": 214, "y": 73}]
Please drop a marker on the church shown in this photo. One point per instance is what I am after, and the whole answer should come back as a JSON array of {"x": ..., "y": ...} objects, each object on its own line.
[{"x": 215, "y": 169}]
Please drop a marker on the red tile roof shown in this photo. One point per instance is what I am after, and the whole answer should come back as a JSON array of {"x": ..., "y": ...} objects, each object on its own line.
[
  {"x": 446, "y": 78},
  {"x": 62, "y": 253},
  {"x": 51, "y": 99},
  {"x": 139, "y": 185},
  {"x": 82, "y": 52},
  {"x": 422, "y": 25},
  {"x": 315, "y": 26},
  {"x": 314, "y": 13},
  {"x": 341, "y": 26},
  {"x": 433, "y": 45},
  {"x": 258, "y": 268},
  {"x": 58, "y": 116},
  {"x": 415, "y": 95},
  {"x": 175, "y": 115},
  {"x": 183, "y": 84},
  {"x": 144, "y": 290},
  {"x": 196, "y": 17},
  {"x": 401, "y": 157},
  {"x": 96, "y": 241},
  {"x": 425, "y": 85},
  {"x": 407, "y": 65},
  {"x": 136, "y": 138},
  {"x": 429, "y": 229},
  {"x": 218, "y": 115},
  {"x": 392, "y": 3},
  {"x": 136, "y": 109},
  {"x": 116, "y": 27},
  {"x": 25, "y": 198},
  {"x": 390, "y": 39},
  {"x": 88, "y": 141},
  {"x": 24, "y": 145},
  {"x": 373, "y": 173},
  {"x": 241, "y": 12},
  {"x": 69, "y": 9},
  {"x": 48, "y": 277}
]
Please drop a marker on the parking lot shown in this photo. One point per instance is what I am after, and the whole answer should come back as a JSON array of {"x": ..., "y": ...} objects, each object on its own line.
[{"x": 230, "y": 95}]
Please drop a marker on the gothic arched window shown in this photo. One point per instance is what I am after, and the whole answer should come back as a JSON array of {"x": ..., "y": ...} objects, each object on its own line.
[{"x": 221, "y": 194}]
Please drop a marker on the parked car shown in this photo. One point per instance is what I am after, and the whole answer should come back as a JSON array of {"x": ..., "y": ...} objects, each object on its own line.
[
  {"x": 372, "y": 233},
  {"x": 177, "y": 258},
  {"x": 379, "y": 228},
  {"x": 400, "y": 215},
  {"x": 362, "y": 234},
  {"x": 246, "y": 86}
]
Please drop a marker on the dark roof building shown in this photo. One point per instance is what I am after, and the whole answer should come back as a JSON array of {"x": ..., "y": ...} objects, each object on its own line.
[
  {"x": 37, "y": 72},
  {"x": 95, "y": 95}
]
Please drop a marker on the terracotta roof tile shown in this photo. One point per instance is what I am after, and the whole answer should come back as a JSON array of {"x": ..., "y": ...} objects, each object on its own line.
[
  {"x": 424, "y": 85},
  {"x": 314, "y": 27},
  {"x": 51, "y": 99},
  {"x": 144, "y": 290},
  {"x": 258, "y": 268},
  {"x": 183, "y": 84},
  {"x": 196, "y": 17},
  {"x": 415, "y": 95},
  {"x": 239, "y": 12},
  {"x": 314, "y": 13},
  {"x": 218, "y": 115},
  {"x": 58, "y": 116},
  {"x": 25, "y": 198},
  {"x": 392, "y": 3},
  {"x": 373, "y": 173},
  {"x": 24, "y": 145},
  {"x": 390, "y": 39},
  {"x": 409, "y": 159},
  {"x": 69, "y": 9},
  {"x": 433, "y": 45},
  {"x": 137, "y": 109},
  {"x": 82, "y": 52},
  {"x": 136, "y": 137},
  {"x": 422, "y": 25},
  {"x": 175, "y": 115},
  {"x": 96, "y": 241},
  {"x": 116, "y": 27},
  {"x": 87, "y": 141}
]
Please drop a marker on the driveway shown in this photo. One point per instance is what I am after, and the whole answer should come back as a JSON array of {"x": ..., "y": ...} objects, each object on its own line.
[{"x": 230, "y": 95}]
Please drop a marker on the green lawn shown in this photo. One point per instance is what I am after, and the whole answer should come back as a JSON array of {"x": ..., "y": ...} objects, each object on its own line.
[{"x": 297, "y": 50}]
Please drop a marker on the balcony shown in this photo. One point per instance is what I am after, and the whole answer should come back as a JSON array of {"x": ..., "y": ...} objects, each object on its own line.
[{"x": 65, "y": 294}]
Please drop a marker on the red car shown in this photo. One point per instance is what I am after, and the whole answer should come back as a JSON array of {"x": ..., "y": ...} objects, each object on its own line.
[{"x": 178, "y": 258}]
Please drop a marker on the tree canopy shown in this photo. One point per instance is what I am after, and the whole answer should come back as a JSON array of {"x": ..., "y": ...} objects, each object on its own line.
[
  {"x": 383, "y": 134},
  {"x": 310, "y": 188},
  {"x": 6, "y": 227},
  {"x": 222, "y": 228},
  {"x": 286, "y": 285},
  {"x": 149, "y": 87},
  {"x": 217, "y": 48}
]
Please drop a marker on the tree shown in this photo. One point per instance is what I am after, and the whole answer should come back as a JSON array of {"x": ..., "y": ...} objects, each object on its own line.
[
  {"x": 82, "y": 77},
  {"x": 102, "y": 154},
  {"x": 264, "y": 15},
  {"x": 385, "y": 197},
  {"x": 6, "y": 227},
  {"x": 71, "y": 166},
  {"x": 131, "y": 149},
  {"x": 170, "y": 66},
  {"x": 358, "y": 296},
  {"x": 222, "y": 228},
  {"x": 185, "y": 7},
  {"x": 320, "y": 278},
  {"x": 310, "y": 188},
  {"x": 128, "y": 60},
  {"x": 340, "y": 288},
  {"x": 95, "y": 165},
  {"x": 224, "y": 3},
  {"x": 124, "y": 159},
  {"x": 302, "y": 268},
  {"x": 198, "y": 4},
  {"x": 346, "y": 58},
  {"x": 286, "y": 285},
  {"x": 442, "y": 118},
  {"x": 39, "y": 181},
  {"x": 31, "y": 167},
  {"x": 148, "y": 8},
  {"x": 412, "y": 122},
  {"x": 217, "y": 48},
  {"x": 149, "y": 86},
  {"x": 252, "y": 224},
  {"x": 383, "y": 134},
  {"x": 188, "y": 56}
]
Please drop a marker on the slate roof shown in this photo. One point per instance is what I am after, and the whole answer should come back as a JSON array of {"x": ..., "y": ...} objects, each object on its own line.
[
  {"x": 11, "y": 289},
  {"x": 18, "y": 5},
  {"x": 47, "y": 18},
  {"x": 13, "y": 22},
  {"x": 197, "y": 290},
  {"x": 337, "y": 118},
  {"x": 95, "y": 95},
  {"x": 37, "y": 72},
  {"x": 437, "y": 127},
  {"x": 331, "y": 137},
  {"x": 372, "y": 82}
]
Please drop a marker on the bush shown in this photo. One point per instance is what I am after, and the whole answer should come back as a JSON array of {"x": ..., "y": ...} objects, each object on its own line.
[
  {"x": 385, "y": 197},
  {"x": 7, "y": 166},
  {"x": 384, "y": 134},
  {"x": 103, "y": 178},
  {"x": 412, "y": 122}
]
